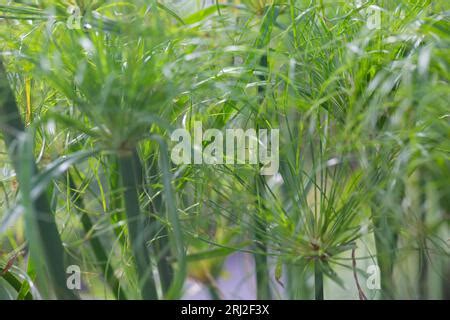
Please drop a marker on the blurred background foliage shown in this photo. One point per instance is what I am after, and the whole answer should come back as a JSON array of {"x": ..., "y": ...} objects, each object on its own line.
[{"x": 90, "y": 91}]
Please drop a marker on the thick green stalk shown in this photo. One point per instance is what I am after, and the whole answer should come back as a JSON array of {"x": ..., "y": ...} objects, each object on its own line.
[
  {"x": 161, "y": 245},
  {"x": 115, "y": 198},
  {"x": 260, "y": 255},
  {"x": 176, "y": 287},
  {"x": 50, "y": 243},
  {"x": 423, "y": 254},
  {"x": 136, "y": 224},
  {"x": 154, "y": 231},
  {"x": 96, "y": 245},
  {"x": 261, "y": 268},
  {"x": 261, "y": 264},
  {"x": 318, "y": 281}
]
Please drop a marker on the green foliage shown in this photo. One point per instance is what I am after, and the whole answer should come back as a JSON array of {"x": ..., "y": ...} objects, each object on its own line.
[{"x": 359, "y": 93}]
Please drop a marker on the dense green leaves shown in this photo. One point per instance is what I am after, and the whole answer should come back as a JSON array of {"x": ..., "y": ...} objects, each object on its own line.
[{"x": 359, "y": 92}]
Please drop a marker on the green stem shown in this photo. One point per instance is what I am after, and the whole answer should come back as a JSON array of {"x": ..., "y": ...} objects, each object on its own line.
[
  {"x": 155, "y": 231},
  {"x": 176, "y": 234},
  {"x": 96, "y": 245},
  {"x": 423, "y": 254},
  {"x": 12, "y": 127},
  {"x": 318, "y": 281},
  {"x": 161, "y": 243},
  {"x": 260, "y": 255},
  {"x": 261, "y": 268},
  {"x": 136, "y": 225},
  {"x": 115, "y": 199},
  {"x": 261, "y": 264},
  {"x": 213, "y": 292}
]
